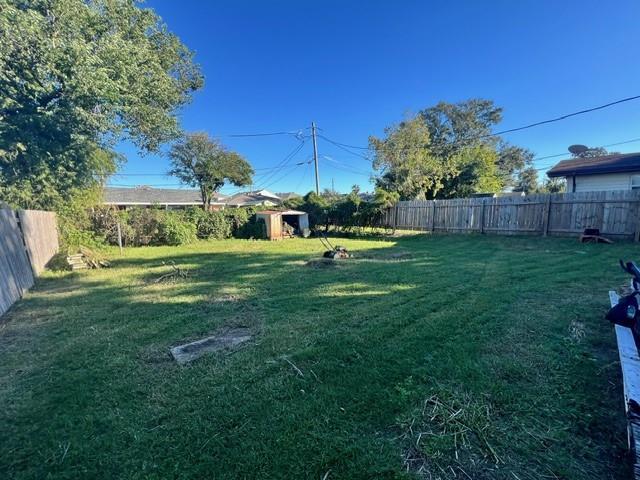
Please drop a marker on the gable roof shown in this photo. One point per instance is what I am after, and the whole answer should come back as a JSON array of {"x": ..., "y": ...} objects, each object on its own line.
[
  {"x": 144, "y": 195},
  {"x": 252, "y": 198},
  {"x": 617, "y": 162}
]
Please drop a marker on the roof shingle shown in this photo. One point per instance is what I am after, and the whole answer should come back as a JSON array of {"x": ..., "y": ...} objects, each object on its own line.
[
  {"x": 144, "y": 195},
  {"x": 614, "y": 163}
]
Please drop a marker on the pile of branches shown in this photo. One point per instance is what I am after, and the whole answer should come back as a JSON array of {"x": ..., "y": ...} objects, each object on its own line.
[{"x": 176, "y": 273}]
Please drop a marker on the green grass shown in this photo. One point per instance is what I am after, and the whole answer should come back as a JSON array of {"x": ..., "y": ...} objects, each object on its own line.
[{"x": 466, "y": 357}]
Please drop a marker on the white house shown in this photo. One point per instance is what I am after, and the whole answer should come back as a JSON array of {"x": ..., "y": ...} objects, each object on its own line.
[{"x": 596, "y": 174}]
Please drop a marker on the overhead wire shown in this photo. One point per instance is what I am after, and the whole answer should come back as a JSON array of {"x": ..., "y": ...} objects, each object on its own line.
[{"x": 282, "y": 164}]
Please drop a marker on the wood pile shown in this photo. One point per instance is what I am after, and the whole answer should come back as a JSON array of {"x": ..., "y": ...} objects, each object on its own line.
[{"x": 86, "y": 259}]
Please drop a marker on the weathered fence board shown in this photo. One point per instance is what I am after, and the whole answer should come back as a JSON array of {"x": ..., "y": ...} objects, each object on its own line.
[
  {"x": 615, "y": 213},
  {"x": 40, "y": 231},
  {"x": 16, "y": 276},
  {"x": 25, "y": 248}
]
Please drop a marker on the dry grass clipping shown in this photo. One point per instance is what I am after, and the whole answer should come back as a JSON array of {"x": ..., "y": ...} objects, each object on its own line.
[{"x": 449, "y": 425}]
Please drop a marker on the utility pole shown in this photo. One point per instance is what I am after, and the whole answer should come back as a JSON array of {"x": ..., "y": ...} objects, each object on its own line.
[{"x": 315, "y": 155}]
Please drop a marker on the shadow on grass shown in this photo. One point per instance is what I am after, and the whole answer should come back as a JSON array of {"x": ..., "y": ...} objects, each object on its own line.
[{"x": 87, "y": 365}]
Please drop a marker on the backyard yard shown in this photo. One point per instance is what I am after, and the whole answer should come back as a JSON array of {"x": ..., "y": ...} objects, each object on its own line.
[{"x": 465, "y": 356}]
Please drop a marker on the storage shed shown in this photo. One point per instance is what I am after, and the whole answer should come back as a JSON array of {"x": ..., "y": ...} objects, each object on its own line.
[{"x": 281, "y": 224}]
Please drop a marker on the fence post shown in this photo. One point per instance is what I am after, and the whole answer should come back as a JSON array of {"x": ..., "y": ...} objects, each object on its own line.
[
  {"x": 395, "y": 218},
  {"x": 636, "y": 233},
  {"x": 119, "y": 237},
  {"x": 433, "y": 216},
  {"x": 545, "y": 216},
  {"x": 482, "y": 216}
]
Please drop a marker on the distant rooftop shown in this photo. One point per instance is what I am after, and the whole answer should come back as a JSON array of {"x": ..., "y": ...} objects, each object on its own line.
[
  {"x": 145, "y": 195},
  {"x": 615, "y": 163},
  {"x": 246, "y": 199}
]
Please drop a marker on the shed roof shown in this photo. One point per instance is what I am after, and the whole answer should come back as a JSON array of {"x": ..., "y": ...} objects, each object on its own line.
[
  {"x": 281, "y": 212},
  {"x": 294, "y": 212},
  {"x": 614, "y": 163},
  {"x": 144, "y": 195},
  {"x": 268, "y": 212}
]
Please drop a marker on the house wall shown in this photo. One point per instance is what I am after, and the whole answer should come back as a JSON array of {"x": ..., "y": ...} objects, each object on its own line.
[{"x": 601, "y": 183}]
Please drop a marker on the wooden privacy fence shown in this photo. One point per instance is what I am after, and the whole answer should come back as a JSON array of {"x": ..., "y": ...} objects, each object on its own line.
[
  {"x": 615, "y": 213},
  {"x": 28, "y": 240}
]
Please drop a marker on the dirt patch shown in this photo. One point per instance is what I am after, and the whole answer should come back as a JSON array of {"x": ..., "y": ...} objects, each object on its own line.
[{"x": 229, "y": 340}]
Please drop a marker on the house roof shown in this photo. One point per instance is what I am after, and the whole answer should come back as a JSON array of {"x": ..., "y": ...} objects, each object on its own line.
[
  {"x": 618, "y": 162},
  {"x": 144, "y": 195},
  {"x": 252, "y": 198}
]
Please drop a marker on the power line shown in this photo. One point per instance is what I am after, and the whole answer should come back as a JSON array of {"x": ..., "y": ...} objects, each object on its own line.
[
  {"x": 345, "y": 167},
  {"x": 516, "y": 129},
  {"x": 138, "y": 174},
  {"x": 342, "y": 147},
  {"x": 282, "y": 163},
  {"x": 564, "y": 117},
  {"x": 269, "y": 134},
  {"x": 277, "y": 180},
  {"x": 305, "y": 171}
]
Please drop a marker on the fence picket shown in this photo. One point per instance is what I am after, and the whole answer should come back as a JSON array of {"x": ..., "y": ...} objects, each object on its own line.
[
  {"x": 24, "y": 250},
  {"x": 615, "y": 214}
]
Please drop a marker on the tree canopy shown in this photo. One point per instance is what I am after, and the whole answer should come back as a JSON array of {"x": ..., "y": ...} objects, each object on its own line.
[
  {"x": 75, "y": 78},
  {"x": 202, "y": 162},
  {"x": 448, "y": 151},
  {"x": 591, "y": 152}
]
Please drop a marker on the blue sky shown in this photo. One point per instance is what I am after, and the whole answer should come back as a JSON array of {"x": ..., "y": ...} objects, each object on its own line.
[{"x": 356, "y": 67}]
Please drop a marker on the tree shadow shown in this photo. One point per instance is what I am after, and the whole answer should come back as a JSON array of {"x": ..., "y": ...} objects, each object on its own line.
[{"x": 92, "y": 350}]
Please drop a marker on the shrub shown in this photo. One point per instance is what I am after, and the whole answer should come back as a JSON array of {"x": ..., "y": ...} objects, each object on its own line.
[
  {"x": 209, "y": 224},
  {"x": 74, "y": 221},
  {"x": 144, "y": 224},
  {"x": 104, "y": 223},
  {"x": 174, "y": 230},
  {"x": 254, "y": 228}
]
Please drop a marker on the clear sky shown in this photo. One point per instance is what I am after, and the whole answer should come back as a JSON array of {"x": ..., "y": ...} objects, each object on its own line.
[{"x": 356, "y": 67}]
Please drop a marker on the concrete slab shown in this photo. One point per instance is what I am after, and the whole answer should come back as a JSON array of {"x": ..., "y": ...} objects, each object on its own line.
[{"x": 227, "y": 340}]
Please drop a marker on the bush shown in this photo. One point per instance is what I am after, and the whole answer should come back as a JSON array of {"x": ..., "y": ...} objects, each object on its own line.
[
  {"x": 254, "y": 228},
  {"x": 174, "y": 230},
  {"x": 209, "y": 224},
  {"x": 74, "y": 221},
  {"x": 144, "y": 225},
  {"x": 156, "y": 226}
]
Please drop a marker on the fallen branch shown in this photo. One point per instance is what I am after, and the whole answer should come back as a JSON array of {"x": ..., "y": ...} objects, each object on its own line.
[{"x": 176, "y": 272}]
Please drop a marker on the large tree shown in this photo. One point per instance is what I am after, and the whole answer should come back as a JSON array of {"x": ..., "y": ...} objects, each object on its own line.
[
  {"x": 76, "y": 76},
  {"x": 202, "y": 162},
  {"x": 448, "y": 150},
  {"x": 454, "y": 126},
  {"x": 405, "y": 163}
]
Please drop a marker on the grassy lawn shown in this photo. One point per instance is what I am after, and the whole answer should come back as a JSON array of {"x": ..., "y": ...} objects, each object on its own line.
[{"x": 462, "y": 357}]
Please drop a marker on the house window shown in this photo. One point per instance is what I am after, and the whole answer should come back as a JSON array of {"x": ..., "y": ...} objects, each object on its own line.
[{"x": 635, "y": 182}]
